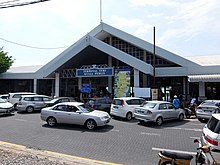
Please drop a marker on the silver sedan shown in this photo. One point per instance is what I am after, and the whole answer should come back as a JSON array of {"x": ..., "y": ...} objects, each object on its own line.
[
  {"x": 158, "y": 111},
  {"x": 74, "y": 113}
]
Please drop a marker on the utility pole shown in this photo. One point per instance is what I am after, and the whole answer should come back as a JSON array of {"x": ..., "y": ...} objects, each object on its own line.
[
  {"x": 100, "y": 11},
  {"x": 154, "y": 58}
]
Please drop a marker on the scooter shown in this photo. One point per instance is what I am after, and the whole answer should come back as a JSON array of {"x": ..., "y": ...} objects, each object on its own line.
[
  {"x": 190, "y": 111},
  {"x": 203, "y": 156}
]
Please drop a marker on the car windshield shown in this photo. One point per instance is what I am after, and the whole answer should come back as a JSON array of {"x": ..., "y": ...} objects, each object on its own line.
[
  {"x": 214, "y": 125},
  {"x": 2, "y": 101},
  {"x": 85, "y": 108},
  {"x": 148, "y": 105}
]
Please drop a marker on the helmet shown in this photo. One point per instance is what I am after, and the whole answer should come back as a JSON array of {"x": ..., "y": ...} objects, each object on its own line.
[{"x": 175, "y": 96}]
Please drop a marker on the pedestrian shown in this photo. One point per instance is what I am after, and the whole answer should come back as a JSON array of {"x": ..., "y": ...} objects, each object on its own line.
[{"x": 176, "y": 102}]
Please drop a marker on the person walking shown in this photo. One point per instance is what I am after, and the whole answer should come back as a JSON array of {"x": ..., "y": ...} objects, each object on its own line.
[{"x": 176, "y": 102}]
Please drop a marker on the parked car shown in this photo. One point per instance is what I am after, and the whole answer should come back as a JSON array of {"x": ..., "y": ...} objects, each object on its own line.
[
  {"x": 4, "y": 96},
  {"x": 74, "y": 113},
  {"x": 30, "y": 103},
  {"x": 205, "y": 110},
  {"x": 158, "y": 111},
  {"x": 59, "y": 100},
  {"x": 5, "y": 107},
  {"x": 211, "y": 132},
  {"x": 14, "y": 97},
  {"x": 103, "y": 104},
  {"x": 124, "y": 106}
]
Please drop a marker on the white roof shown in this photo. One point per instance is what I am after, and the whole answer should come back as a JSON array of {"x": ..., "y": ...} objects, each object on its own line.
[{"x": 208, "y": 60}]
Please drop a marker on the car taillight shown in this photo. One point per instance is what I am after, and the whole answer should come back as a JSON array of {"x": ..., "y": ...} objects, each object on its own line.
[
  {"x": 211, "y": 141},
  {"x": 123, "y": 102},
  {"x": 149, "y": 112}
]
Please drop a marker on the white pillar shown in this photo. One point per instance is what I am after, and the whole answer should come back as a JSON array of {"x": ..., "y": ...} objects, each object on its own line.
[
  {"x": 201, "y": 89},
  {"x": 110, "y": 85},
  {"x": 136, "y": 78},
  {"x": 35, "y": 85},
  {"x": 57, "y": 84}
]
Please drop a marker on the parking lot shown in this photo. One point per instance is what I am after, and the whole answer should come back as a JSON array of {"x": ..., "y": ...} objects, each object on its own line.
[{"x": 123, "y": 142}]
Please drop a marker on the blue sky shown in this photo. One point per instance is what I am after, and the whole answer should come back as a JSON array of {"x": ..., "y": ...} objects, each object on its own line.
[{"x": 184, "y": 27}]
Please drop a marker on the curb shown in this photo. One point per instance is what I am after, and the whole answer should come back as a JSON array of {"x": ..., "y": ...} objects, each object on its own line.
[{"x": 53, "y": 156}]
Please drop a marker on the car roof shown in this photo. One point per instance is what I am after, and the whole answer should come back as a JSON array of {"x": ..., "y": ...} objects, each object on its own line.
[
  {"x": 211, "y": 101},
  {"x": 11, "y": 93},
  {"x": 128, "y": 98},
  {"x": 34, "y": 95},
  {"x": 216, "y": 115},
  {"x": 158, "y": 101},
  {"x": 71, "y": 103}
]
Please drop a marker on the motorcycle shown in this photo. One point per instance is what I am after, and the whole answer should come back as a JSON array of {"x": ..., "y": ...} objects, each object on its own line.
[
  {"x": 190, "y": 111},
  {"x": 203, "y": 156}
]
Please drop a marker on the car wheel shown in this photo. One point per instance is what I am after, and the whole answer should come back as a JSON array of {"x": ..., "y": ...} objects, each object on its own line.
[
  {"x": 159, "y": 121},
  {"x": 90, "y": 124},
  {"x": 181, "y": 116},
  {"x": 30, "y": 109},
  {"x": 129, "y": 116},
  {"x": 51, "y": 121}
]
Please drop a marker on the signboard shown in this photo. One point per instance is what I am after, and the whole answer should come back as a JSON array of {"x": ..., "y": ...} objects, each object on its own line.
[
  {"x": 154, "y": 94},
  {"x": 86, "y": 88},
  {"x": 122, "y": 83},
  {"x": 142, "y": 92},
  {"x": 94, "y": 72}
]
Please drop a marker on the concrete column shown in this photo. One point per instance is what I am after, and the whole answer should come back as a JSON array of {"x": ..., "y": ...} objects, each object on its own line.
[
  {"x": 57, "y": 84},
  {"x": 201, "y": 89},
  {"x": 136, "y": 78},
  {"x": 80, "y": 86},
  {"x": 110, "y": 85},
  {"x": 35, "y": 85}
]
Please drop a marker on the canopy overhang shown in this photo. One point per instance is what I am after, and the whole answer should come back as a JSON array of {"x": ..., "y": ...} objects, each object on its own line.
[{"x": 204, "y": 78}]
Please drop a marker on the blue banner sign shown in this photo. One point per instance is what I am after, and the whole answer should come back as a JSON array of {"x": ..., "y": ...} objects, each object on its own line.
[
  {"x": 94, "y": 72},
  {"x": 86, "y": 88}
]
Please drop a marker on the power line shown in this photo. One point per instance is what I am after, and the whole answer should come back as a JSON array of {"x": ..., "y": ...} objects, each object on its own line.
[
  {"x": 34, "y": 47},
  {"x": 5, "y": 5}
]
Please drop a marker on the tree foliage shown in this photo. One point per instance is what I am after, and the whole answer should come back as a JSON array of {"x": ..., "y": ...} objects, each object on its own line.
[{"x": 5, "y": 61}]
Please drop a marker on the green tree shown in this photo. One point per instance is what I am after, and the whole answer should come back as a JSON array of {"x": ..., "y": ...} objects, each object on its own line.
[{"x": 5, "y": 61}]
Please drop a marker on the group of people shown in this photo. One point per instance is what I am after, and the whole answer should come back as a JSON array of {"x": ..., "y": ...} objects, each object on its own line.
[{"x": 177, "y": 103}]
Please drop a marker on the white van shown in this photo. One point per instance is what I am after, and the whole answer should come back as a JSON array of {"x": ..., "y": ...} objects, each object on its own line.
[
  {"x": 124, "y": 106},
  {"x": 13, "y": 98}
]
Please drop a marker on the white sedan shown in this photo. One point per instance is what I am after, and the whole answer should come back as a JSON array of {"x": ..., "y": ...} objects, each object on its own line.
[
  {"x": 5, "y": 107},
  {"x": 158, "y": 111},
  {"x": 74, "y": 113}
]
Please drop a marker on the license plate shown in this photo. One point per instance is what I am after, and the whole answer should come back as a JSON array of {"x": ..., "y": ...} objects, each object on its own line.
[{"x": 116, "y": 107}]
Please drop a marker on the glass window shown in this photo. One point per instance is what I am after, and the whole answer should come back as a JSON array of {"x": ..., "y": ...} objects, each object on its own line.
[
  {"x": 170, "y": 106},
  {"x": 117, "y": 102},
  {"x": 148, "y": 105},
  {"x": 72, "y": 108},
  {"x": 60, "y": 108},
  {"x": 163, "y": 106},
  {"x": 214, "y": 125},
  {"x": 38, "y": 98}
]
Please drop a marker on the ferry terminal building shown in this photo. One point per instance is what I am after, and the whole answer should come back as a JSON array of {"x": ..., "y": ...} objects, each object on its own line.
[{"x": 108, "y": 60}]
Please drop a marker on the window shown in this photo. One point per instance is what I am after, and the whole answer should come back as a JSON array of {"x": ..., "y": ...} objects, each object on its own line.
[
  {"x": 60, "y": 108},
  {"x": 72, "y": 108},
  {"x": 170, "y": 106},
  {"x": 162, "y": 106},
  {"x": 214, "y": 125},
  {"x": 46, "y": 99},
  {"x": 38, "y": 99}
]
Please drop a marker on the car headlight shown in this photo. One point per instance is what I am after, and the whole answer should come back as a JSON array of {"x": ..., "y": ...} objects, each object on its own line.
[{"x": 104, "y": 117}]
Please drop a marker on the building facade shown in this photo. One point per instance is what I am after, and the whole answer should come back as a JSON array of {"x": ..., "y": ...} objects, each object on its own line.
[{"x": 110, "y": 61}]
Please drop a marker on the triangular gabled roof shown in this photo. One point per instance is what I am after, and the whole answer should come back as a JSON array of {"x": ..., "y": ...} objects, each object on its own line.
[{"x": 94, "y": 38}]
